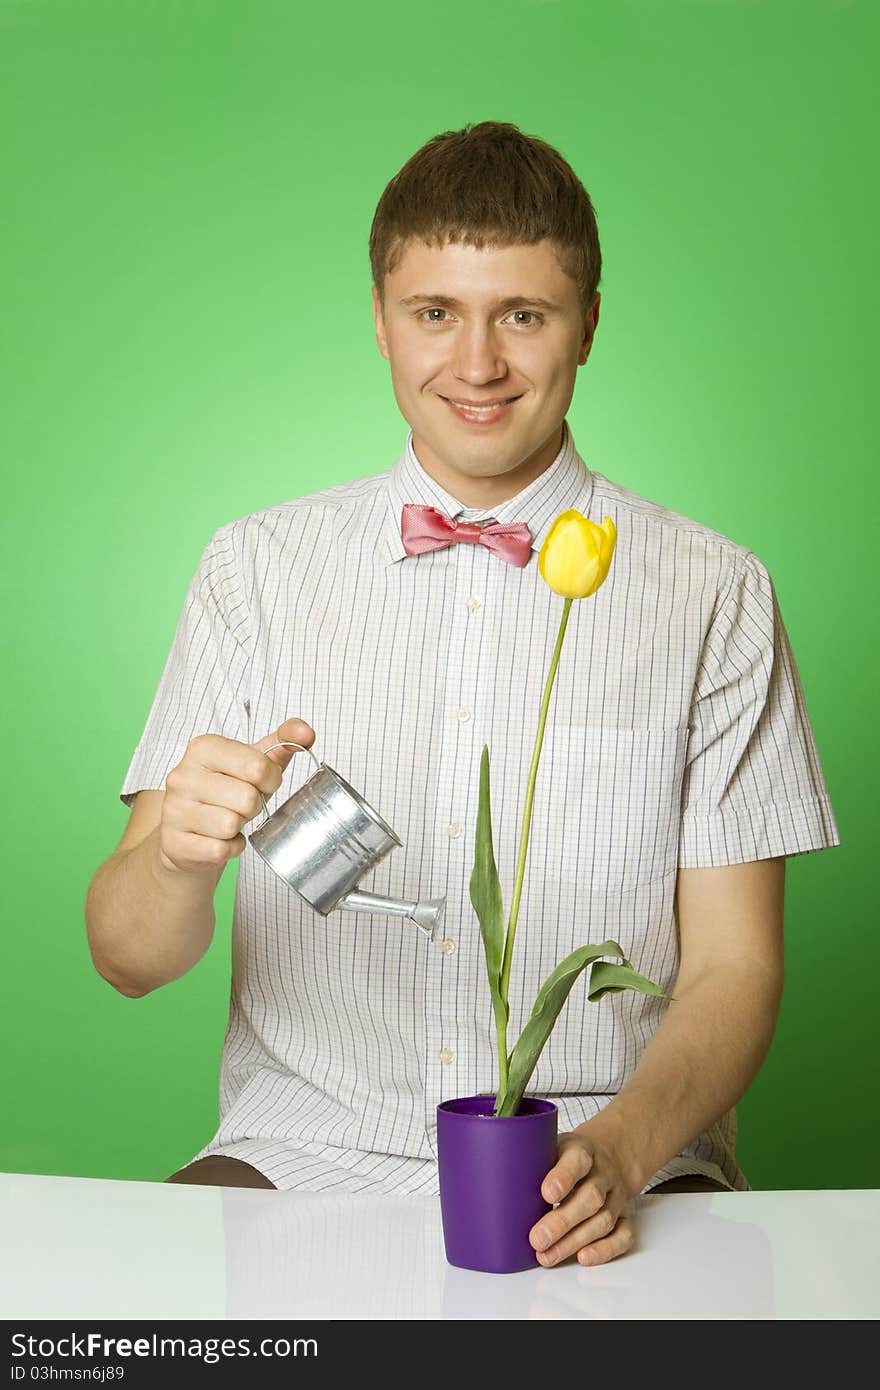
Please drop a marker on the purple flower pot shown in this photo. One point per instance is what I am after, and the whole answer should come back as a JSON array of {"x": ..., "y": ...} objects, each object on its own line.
[{"x": 490, "y": 1172}]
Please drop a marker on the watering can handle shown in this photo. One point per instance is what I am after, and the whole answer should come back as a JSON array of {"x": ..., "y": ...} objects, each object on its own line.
[{"x": 285, "y": 744}]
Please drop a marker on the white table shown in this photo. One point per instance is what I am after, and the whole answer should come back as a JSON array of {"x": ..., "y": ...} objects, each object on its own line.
[{"x": 77, "y": 1248}]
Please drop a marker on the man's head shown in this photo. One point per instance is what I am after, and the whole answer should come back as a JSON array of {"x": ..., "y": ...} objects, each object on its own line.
[{"x": 478, "y": 226}]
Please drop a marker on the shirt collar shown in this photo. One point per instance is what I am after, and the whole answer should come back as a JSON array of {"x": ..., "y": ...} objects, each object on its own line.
[{"x": 567, "y": 483}]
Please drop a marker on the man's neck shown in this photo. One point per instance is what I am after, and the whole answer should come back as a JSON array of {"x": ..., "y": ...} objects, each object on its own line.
[{"x": 481, "y": 494}]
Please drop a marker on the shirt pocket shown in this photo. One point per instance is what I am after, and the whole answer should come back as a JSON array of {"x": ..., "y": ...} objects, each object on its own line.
[{"x": 607, "y": 805}]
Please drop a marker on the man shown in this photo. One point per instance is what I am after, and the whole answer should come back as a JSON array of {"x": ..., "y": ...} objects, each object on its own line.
[{"x": 678, "y": 768}]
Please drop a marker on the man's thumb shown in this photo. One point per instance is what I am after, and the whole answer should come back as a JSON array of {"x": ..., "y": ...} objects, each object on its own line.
[{"x": 291, "y": 731}]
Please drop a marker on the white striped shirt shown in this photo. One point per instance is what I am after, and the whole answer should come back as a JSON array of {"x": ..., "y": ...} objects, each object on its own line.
[{"x": 677, "y": 736}]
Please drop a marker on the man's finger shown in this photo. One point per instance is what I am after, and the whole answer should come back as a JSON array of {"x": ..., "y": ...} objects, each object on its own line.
[
  {"x": 620, "y": 1241},
  {"x": 291, "y": 731},
  {"x": 574, "y": 1162},
  {"x": 599, "y": 1225}
]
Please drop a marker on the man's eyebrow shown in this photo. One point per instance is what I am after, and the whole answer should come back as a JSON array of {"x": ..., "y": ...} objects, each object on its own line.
[{"x": 447, "y": 302}]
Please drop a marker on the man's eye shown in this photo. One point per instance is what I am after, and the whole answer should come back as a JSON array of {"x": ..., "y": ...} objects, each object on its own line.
[{"x": 528, "y": 313}]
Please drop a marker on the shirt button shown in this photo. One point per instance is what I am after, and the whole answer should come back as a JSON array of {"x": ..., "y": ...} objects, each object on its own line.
[
  {"x": 454, "y": 830},
  {"x": 462, "y": 714},
  {"x": 474, "y": 602},
  {"x": 446, "y": 1055},
  {"x": 447, "y": 946}
]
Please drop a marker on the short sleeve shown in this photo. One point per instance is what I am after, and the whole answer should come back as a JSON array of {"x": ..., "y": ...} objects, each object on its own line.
[
  {"x": 753, "y": 786},
  {"x": 202, "y": 688}
]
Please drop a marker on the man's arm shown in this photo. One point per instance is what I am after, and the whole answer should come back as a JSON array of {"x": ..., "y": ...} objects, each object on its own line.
[
  {"x": 147, "y": 923},
  {"x": 717, "y": 1032},
  {"x": 702, "y": 1058},
  {"x": 150, "y": 906}
]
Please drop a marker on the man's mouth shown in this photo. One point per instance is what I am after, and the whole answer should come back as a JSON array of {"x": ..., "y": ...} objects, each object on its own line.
[{"x": 479, "y": 412}]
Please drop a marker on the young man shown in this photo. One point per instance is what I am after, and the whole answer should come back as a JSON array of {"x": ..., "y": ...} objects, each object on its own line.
[{"x": 678, "y": 768}]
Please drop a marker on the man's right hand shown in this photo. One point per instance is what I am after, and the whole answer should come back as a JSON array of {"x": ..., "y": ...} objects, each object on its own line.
[{"x": 213, "y": 792}]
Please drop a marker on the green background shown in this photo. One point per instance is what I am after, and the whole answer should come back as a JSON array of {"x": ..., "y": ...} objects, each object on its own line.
[{"x": 187, "y": 191}]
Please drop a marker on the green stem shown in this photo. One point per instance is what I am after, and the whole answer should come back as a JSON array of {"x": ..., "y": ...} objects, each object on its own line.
[
  {"x": 501, "y": 1034},
  {"x": 526, "y": 826}
]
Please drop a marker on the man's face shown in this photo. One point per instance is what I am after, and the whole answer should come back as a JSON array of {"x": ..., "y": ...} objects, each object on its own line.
[{"x": 457, "y": 339}]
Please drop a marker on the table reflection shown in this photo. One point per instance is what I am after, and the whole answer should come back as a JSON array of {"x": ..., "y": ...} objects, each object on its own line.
[{"x": 295, "y": 1254}]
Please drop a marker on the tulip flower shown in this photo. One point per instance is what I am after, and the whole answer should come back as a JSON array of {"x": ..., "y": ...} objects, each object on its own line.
[
  {"x": 574, "y": 562},
  {"x": 576, "y": 556}
]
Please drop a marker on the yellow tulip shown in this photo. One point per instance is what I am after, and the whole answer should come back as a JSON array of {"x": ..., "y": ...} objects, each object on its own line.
[{"x": 576, "y": 556}]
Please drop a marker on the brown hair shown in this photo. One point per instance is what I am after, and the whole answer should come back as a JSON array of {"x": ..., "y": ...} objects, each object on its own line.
[{"x": 488, "y": 184}]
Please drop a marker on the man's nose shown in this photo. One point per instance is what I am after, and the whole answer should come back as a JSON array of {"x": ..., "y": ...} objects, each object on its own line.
[{"x": 478, "y": 356}]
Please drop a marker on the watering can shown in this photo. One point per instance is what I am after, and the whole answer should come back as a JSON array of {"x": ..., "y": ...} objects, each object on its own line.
[{"x": 325, "y": 839}]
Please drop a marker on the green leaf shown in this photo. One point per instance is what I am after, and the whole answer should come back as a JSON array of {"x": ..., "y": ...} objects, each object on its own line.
[
  {"x": 606, "y": 978},
  {"x": 551, "y": 997},
  {"x": 485, "y": 891}
]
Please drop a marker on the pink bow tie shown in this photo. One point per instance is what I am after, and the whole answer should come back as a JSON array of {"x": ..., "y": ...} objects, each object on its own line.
[{"x": 427, "y": 528}]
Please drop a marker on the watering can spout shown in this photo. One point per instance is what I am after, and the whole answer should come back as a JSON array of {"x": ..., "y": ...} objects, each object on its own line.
[{"x": 427, "y": 914}]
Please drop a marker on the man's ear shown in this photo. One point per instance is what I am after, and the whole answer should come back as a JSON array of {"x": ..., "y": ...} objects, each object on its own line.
[
  {"x": 590, "y": 323},
  {"x": 380, "y": 325}
]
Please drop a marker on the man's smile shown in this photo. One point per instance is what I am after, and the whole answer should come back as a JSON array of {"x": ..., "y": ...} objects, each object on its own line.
[{"x": 481, "y": 414}]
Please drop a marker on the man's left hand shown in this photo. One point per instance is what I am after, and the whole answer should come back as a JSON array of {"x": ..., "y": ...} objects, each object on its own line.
[{"x": 588, "y": 1183}]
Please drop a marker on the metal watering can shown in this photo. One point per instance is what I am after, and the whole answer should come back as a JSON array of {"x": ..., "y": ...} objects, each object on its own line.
[{"x": 322, "y": 842}]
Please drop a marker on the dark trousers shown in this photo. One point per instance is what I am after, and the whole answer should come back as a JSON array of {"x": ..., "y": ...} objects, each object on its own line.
[{"x": 219, "y": 1171}]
